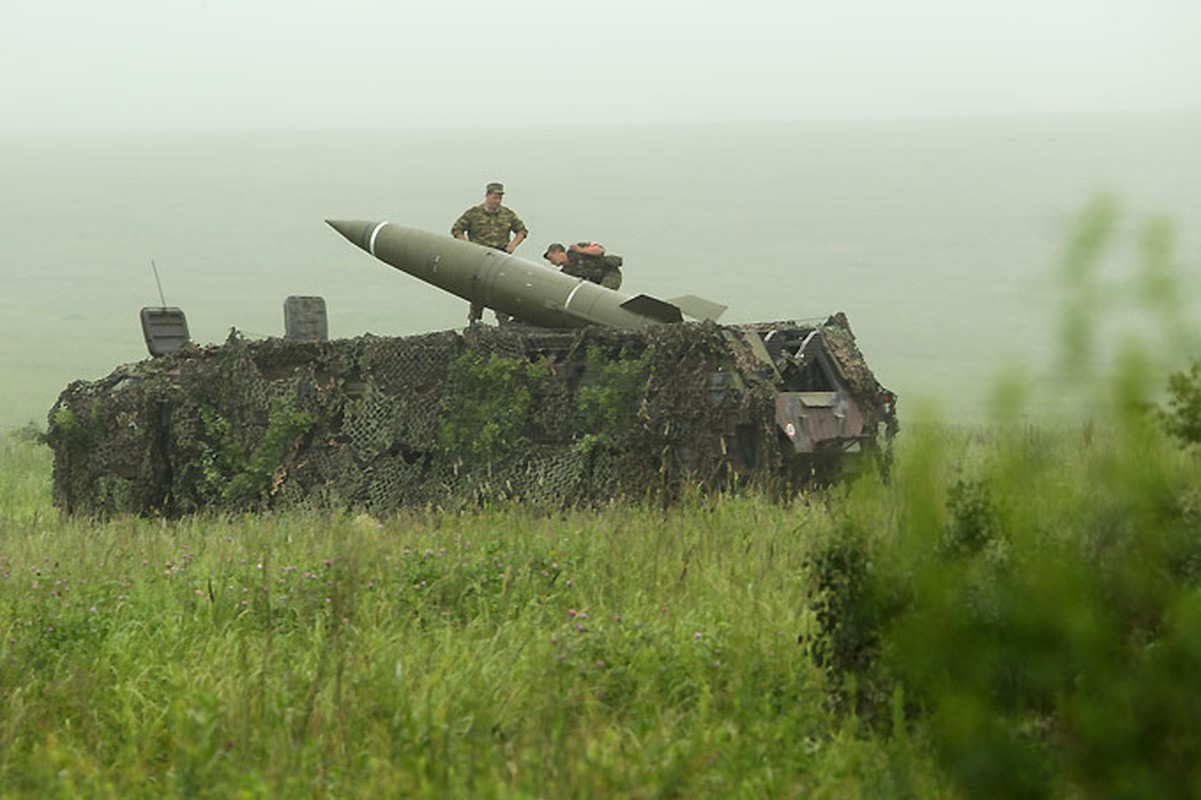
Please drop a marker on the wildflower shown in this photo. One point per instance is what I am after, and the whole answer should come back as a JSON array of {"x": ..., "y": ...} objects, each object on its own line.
[
  {"x": 600, "y": 664},
  {"x": 580, "y": 628},
  {"x": 571, "y": 612},
  {"x": 120, "y": 598},
  {"x": 697, "y": 636}
]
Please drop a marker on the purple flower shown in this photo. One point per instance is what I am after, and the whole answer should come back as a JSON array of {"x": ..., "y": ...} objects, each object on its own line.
[
  {"x": 697, "y": 636},
  {"x": 571, "y": 612}
]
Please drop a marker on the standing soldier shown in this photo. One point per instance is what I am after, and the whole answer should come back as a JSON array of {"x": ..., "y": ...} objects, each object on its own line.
[{"x": 490, "y": 224}]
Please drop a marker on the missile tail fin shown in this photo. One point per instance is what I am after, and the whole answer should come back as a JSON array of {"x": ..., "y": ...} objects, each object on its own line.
[
  {"x": 654, "y": 308},
  {"x": 699, "y": 307}
]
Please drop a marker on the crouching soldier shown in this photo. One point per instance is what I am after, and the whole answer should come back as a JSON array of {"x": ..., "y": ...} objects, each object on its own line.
[{"x": 586, "y": 260}]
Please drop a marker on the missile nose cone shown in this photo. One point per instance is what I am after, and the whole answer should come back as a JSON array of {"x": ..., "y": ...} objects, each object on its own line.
[{"x": 356, "y": 231}]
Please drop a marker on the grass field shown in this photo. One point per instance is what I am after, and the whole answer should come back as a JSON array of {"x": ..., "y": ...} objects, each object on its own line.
[
  {"x": 618, "y": 652},
  {"x": 1026, "y": 621}
]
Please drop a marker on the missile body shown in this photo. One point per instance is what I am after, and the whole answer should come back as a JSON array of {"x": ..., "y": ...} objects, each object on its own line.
[{"x": 537, "y": 294}]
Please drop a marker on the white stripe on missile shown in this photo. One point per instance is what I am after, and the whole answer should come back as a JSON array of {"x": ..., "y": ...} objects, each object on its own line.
[
  {"x": 567, "y": 302},
  {"x": 375, "y": 232}
]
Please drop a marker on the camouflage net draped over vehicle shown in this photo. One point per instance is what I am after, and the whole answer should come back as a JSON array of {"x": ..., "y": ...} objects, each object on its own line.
[{"x": 489, "y": 414}]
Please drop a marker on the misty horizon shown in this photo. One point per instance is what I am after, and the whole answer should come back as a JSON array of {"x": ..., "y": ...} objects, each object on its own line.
[{"x": 131, "y": 66}]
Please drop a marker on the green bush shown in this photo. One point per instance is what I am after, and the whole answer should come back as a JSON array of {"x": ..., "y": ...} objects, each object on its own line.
[{"x": 490, "y": 400}]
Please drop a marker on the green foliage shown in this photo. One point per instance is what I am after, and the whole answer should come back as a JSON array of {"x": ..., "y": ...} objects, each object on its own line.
[
  {"x": 242, "y": 475},
  {"x": 1182, "y": 417},
  {"x": 607, "y": 402},
  {"x": 1045, "y": 586},
  {"x": 1039, "y": 643},
  {"x": 615, "y": 653},
  {"x": 24, "y": 479},
  {"x": 974, "y": 522},
  {"x": 488, "y": 405},
  {"x": 67, "y": 427}
]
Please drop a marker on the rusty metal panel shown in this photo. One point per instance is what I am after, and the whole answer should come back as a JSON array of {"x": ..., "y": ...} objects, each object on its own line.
[{"x": 812, "y": 420}]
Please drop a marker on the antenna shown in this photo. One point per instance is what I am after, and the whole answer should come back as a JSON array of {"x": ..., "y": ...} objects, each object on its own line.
[{"x": 161, "y": 296}]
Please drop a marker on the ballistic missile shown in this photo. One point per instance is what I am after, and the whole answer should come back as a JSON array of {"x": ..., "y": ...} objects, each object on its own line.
[{"x": 532, "y": 292}]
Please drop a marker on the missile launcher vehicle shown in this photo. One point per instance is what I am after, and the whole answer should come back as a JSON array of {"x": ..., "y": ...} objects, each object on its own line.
[{"x": 588, "y": 396}]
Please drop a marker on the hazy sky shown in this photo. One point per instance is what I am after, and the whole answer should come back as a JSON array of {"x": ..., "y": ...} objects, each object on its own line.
[{"x": 150, "y": 65}]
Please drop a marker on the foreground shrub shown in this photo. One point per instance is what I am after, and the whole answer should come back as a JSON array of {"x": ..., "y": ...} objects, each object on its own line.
[{"x": 1044, "y": 627}]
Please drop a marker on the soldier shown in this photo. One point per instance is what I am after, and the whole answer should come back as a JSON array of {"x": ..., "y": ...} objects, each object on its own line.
[
  {"x": 489, "y": 224},
  {"x": 586, "y": 260}
]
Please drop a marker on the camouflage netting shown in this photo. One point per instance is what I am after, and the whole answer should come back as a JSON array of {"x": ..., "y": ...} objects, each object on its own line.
[{"x": 554, "y": 417}]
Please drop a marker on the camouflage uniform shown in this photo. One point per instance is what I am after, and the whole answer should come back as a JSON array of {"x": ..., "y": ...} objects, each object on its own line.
[
  {"x": 592, "y": 268},
  {"x": 490, "y": 230}
]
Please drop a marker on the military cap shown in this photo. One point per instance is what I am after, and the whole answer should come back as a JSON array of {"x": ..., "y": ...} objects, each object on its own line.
[
  {"x": 554, "y": 248},
  {"x": 494, "y": 188}
]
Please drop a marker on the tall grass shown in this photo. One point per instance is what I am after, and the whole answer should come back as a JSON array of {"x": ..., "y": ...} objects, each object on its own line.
[
  {"x": 1034, "y": 608},
  {"x": 626, "y": 651}
]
